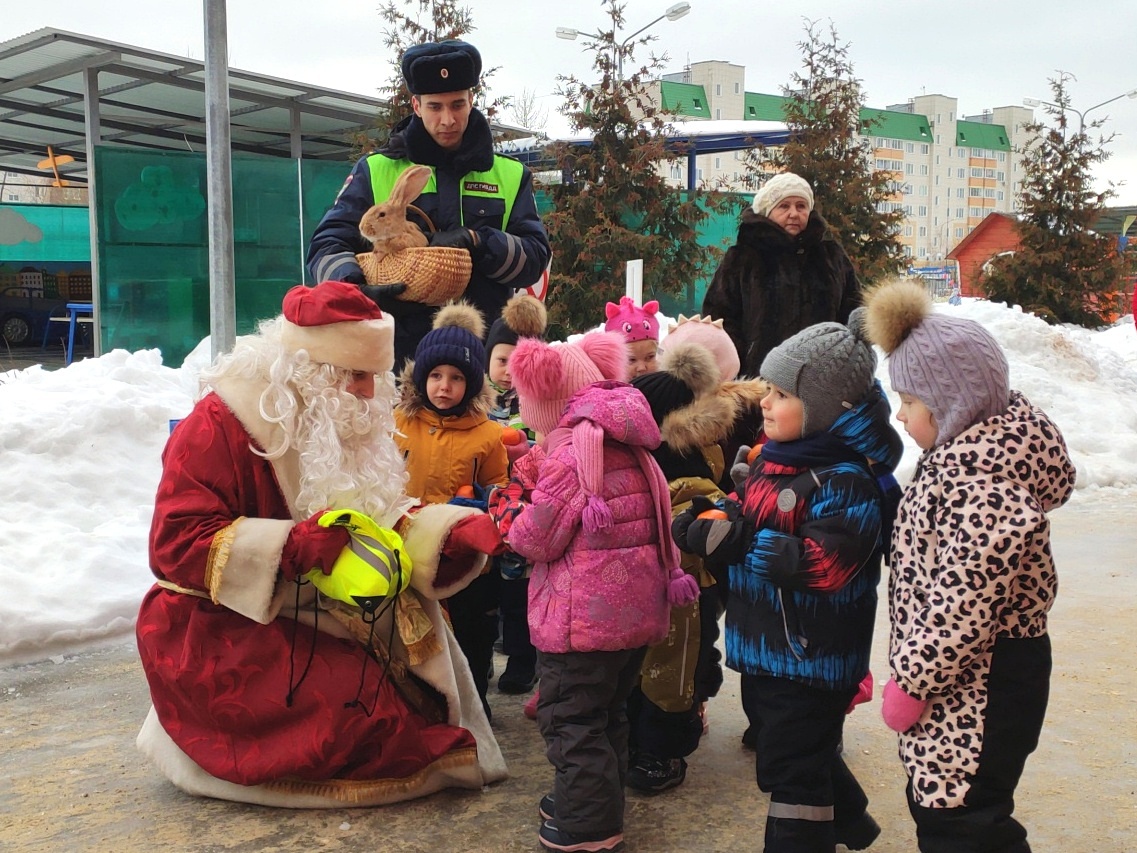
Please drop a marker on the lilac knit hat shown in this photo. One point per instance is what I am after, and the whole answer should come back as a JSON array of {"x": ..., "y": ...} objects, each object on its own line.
[
  {"x": 952, "y": 365},
  {"x": 631, "y": 321}
]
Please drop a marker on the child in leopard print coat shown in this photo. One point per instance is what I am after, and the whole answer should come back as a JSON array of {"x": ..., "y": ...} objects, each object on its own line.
[{"x": 972, "y": 577}]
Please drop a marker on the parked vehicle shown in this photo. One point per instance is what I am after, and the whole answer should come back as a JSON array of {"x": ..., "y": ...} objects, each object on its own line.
[{"x": 24, "y": 315}]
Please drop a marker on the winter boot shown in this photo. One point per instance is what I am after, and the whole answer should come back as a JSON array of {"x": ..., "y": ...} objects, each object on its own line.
[
  {"x": 651, "y": 775},
  {"x": 554, "y": 838}
]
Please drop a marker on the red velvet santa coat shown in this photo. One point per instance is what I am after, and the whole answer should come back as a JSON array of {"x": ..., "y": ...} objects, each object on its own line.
[{"x": 223, "y": 640}]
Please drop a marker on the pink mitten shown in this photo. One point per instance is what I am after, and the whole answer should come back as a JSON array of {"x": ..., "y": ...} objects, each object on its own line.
[
  {"x": 900, "y": 711},
  {"x": 863, "y": 694},
  {"x": 682, "y": 589}
]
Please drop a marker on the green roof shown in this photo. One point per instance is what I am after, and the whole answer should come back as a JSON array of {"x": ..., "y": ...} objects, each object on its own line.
[
  {"x": 978, "y": 134},
  {"x": 685, "y": 99},
  {"x": 759, "y": 107},
  {"x": 912, "y": 127}
]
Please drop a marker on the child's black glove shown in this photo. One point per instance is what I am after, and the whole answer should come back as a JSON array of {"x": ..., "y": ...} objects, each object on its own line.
[{"x": 707, "y": 530}]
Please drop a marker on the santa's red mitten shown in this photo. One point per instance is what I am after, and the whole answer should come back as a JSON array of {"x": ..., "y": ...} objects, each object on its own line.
[
  {"x": 311, "y": 546},
  {"x": 474, "y": 535},
  {"x": 900, "y": 711}
]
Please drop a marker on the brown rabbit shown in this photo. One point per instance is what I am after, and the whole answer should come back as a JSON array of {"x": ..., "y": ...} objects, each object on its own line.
[{"x": 386, "y": 224}]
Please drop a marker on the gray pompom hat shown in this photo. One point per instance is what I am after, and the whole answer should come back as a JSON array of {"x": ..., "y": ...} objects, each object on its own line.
[{"x": 829, "y": 366}]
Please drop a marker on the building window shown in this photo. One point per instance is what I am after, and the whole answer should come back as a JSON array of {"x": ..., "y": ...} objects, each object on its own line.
[
  {"x": 924, "y": 148},
  {"x": 959, "y": 213},
  {"x": 718, "y": 163},
  {"x": 959, "y": 231},
  {"x": 907, "y": 230},
  {"x": 718, "y": 89},
  {"x": 907, "y": 251},
  {"x": 909, "y": 168},
  {"x": 924, "y": 190},
  {"x": 718, "y": 113},
  {"x": 923, "y": 231},
  {"x": 976, "y": 212},
  {"x": 751, "y": 112},
  {"x": 923, "y": 252},
  {"x": 922, "y": 210},
  {"x": 924, "y": 169},
  {"x": 1002, "y": 157},
  {"x": 1000, "y": 176},
  {"x": 736, "y": 87},
  {"x": 910, "y": 147},
  {"x": 697, "y": 105},
  {"x": 999, "y": 197},
  {"x": 961, "y": 173}
]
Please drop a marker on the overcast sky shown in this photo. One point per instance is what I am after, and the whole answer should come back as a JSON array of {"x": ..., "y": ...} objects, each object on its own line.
[{"x": 986, "y": 54}]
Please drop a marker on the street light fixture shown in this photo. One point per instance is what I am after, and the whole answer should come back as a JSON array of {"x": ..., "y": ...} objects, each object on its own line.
[
  {"x": 1081, "y": 114},
  {"x": 673, "y": 13}
]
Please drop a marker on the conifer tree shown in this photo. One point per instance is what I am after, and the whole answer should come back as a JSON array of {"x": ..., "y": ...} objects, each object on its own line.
[
  {"x": 1063, "y": 271},
  {"x": 828, "y": 146},
  {"x": 613, "y": 205}
]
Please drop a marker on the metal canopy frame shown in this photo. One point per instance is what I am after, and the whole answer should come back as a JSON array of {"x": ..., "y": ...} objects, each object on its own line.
[{"x": 56, "y": 86}]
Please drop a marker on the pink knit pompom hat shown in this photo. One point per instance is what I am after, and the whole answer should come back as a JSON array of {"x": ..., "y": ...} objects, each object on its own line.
[
  {"x": 547, "y": 375},
  {"x": 632, "y": 321}
]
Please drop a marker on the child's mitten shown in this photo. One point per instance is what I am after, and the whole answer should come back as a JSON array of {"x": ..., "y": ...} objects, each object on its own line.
[{"x": 900, "y": 711}]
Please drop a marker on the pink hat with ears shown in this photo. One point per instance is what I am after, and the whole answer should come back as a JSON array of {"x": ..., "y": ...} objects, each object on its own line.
[
  {"x": 631, "y": 321},
  {"x": 547, "y": 375}
]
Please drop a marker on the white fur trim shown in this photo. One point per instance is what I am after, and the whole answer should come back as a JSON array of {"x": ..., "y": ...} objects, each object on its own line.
[
  {"x": 366, "y": 345},
  {"x": 424, "y": 535},
  {"x": 249, "y": 575}
]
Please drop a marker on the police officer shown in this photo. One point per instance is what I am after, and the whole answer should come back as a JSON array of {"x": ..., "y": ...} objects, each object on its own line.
[{"x": 478, "y": 200}]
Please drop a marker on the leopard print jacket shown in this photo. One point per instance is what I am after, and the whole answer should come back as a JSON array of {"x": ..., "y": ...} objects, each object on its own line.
[{"x": 971, "y": 561}]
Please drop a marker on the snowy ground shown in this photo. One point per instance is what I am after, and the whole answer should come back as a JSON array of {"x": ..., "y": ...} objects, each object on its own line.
[{"x": 80, "y": 449}]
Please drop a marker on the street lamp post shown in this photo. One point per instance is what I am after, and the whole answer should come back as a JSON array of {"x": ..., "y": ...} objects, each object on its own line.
[
  {"x": 1081, "y": 114},
  {"x": 673, "y": 13}
]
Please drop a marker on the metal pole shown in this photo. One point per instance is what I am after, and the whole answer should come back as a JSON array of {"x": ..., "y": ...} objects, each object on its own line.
[
  {"x": 219, "y": 181},
  {"x": 93, "y": 133}
]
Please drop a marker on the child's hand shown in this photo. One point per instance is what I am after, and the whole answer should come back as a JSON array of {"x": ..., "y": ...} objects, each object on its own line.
[
  {"x": 900, "y": 711},
  {"x": 740, "y": 469},
  {"x": 505, "y": 505},
  {"x": 706, "y": 530}
]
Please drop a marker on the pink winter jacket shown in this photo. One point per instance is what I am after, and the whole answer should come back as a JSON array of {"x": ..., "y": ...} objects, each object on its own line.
[{"x": 599, "y": 589}]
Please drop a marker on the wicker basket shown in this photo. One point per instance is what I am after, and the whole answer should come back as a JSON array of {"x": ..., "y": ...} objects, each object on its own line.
[{"x": 433, "y": 275}]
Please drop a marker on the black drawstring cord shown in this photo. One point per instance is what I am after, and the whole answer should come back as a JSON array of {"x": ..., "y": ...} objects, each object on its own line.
[
  {"x": 292, "y": 688},
  {"x": 372, "y": 618}
]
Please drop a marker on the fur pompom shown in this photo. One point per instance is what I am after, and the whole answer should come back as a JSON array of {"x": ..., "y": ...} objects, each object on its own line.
[
  {"x": 461, "y": 314},
  {"x": 608, "y": 351},
  {"x": 526, "y": 315},
  {"x": 537, "y": 370},
  {"x": 693, "y": 365},
  {"x": 893, "y": 308}
]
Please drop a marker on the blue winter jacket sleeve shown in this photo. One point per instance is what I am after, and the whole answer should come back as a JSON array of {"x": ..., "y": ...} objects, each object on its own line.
[
  {"x": 839, "y": 532},
  {"x": 336, "y": 241}
]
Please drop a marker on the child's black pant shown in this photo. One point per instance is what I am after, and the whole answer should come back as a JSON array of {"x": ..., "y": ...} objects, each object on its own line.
[
  {"x": 812, "y": 793},
  {"x": 1018, "y": 690},
  {"x": 473, "y": 615},
  {"x": 583, "y": 716}
]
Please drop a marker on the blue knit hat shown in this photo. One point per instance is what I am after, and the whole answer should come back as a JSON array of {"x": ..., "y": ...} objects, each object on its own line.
[{"x": 456, "y": 339}]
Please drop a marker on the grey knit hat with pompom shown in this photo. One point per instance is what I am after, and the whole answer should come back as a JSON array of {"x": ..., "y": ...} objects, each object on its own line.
[{"x": 829, "y": 366}]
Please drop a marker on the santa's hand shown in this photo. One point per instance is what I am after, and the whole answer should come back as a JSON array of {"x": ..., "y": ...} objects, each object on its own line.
[
  {"x": 900, "y": 711},
  {"x": 476, "y": 534},
  {"x": 312, "y": 546}
]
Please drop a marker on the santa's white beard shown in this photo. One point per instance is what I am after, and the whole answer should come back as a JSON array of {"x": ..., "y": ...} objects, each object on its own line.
[{"x": 348, "y": 459}]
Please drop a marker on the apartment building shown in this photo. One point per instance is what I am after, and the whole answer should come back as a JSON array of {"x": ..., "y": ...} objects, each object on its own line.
[{"x": 949, "y": 171}]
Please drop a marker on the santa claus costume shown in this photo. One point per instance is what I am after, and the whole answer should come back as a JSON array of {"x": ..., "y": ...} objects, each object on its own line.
[{"x": 264, "y": 690}]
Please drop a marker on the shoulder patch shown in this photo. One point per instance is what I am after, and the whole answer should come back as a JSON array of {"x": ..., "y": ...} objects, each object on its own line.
[{"x": 346, "y": 184}]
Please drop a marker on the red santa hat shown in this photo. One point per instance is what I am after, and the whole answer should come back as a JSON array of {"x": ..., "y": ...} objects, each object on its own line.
[{"x": 336, "y": 324}]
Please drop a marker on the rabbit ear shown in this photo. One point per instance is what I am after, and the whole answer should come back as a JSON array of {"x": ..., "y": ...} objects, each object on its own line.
[{"x": 409, "y": 185}]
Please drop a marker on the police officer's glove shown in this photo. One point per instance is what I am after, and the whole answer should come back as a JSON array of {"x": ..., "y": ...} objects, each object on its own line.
[
  {"x": 383, "y": 295},
  {"x": 456, "y": 238},
  {"x": 706, "y": 530}
]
